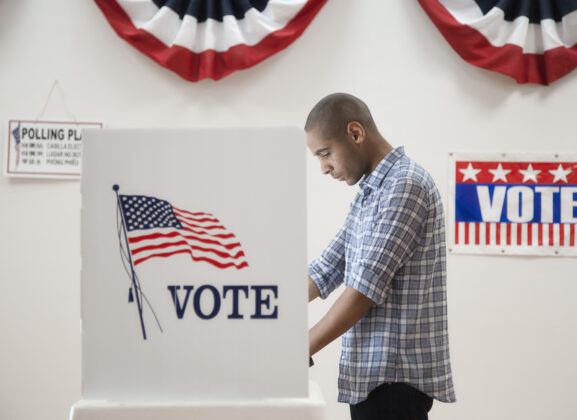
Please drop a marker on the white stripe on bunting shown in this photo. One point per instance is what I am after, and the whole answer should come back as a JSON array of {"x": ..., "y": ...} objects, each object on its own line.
[{"x": 166, "y": 25}]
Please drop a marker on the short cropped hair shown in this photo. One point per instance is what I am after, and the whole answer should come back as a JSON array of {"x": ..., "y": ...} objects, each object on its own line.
[{"x": 332, "y": 114}]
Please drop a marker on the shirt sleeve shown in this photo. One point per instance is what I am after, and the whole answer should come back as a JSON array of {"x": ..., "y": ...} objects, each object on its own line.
[
  {"x": 328, "y": 270},
  {"x": 392, "y": 240}
]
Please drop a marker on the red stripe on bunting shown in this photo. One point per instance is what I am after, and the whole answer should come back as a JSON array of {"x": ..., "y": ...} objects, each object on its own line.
[
  {"x": 208, "y": 64},
  {"x": 509, "y": 59}
]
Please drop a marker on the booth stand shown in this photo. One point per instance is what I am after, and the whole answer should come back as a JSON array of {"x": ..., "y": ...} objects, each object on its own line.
[
  {"x": 312, "y": 408},
  {"x": 193, "y": 286}
]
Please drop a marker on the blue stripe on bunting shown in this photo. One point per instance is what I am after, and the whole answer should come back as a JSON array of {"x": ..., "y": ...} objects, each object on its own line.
[
  {"x": 535, "y": 10},
  {"x": 213, "y": 9}
]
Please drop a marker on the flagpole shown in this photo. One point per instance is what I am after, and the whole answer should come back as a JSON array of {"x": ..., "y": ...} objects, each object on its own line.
[{"x": 133, "y": 274}]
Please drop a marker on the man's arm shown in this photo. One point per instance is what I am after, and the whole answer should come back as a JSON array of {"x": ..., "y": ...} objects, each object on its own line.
[
  {"x": 345, "y": 312},
  {"x": 314, "y": 291},
  {"x": 329, "y": 269}
]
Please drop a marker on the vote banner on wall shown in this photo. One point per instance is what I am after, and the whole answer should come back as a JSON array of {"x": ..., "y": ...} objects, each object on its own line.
[{"x": 516, "y": 204}]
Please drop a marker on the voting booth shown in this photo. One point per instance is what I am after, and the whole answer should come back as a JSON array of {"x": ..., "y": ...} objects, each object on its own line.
[{"x": 194, "y": 292}]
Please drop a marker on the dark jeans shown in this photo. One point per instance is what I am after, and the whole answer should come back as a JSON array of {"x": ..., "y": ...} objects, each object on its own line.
[{"x": 393, "y": 401}]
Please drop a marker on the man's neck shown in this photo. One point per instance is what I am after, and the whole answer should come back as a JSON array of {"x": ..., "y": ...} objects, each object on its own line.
[{"x": 380, "y": 150}]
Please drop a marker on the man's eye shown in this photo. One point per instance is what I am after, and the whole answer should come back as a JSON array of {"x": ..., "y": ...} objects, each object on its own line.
[{"x": 325, "y": 155}]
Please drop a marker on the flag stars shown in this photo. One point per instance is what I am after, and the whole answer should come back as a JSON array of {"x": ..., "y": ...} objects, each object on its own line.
[
  {"x": 530, "y": 174},
  {"x": 560, "y": 174},
  {"x": 500, "y": 174},
  {"x": 470, "y": 173},
  {"x": 148, "y": 213}
]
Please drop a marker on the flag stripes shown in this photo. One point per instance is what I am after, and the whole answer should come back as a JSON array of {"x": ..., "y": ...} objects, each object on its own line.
[
  {"x": 157, "y": 229},
  {"x": 176, "y": 234},
  {"x": 515, "y": 234}
]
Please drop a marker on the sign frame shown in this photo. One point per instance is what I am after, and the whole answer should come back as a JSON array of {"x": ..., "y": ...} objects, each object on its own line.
[
  {"x": 508, "y": 238},
  {"x": 9, "y": 170}
]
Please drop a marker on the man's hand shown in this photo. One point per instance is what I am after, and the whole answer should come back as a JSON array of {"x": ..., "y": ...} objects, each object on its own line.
[{"x": 345, "y": 312}]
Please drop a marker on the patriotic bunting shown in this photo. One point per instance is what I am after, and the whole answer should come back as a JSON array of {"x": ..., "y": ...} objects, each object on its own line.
[
  {"x": 513, "y": 204},
  {"x": 200, "y": 39},
  {"x": 530, "y": 41}
]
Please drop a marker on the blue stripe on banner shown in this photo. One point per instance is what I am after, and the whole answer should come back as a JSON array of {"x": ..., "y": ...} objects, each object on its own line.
[
  {"x": 213, "y": 9},
  {"x": 535, "y": 10},
  {"x": 523, "y": 204}
]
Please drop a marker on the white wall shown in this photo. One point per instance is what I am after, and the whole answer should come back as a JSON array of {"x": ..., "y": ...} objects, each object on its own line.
[{"x": 512, "y": 320}]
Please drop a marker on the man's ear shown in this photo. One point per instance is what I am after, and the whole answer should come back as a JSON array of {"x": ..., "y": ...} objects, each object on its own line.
[{"x": 356, "y": 132}]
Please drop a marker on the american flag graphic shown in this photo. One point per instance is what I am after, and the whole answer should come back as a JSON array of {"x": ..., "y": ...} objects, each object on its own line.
[
  {"x": 514, "y": 206},
  {"x": 17, "y": 140},
  {"x": 155, "y": 228}
]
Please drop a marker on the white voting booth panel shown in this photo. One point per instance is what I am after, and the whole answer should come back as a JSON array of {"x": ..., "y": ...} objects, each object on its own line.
[{"x": 193, "y": 293}]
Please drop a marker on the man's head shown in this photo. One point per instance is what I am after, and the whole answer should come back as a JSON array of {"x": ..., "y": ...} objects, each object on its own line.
[{"x": 342, "y": 134}]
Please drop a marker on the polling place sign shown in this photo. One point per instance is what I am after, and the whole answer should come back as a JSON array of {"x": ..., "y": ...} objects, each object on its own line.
[
  {"x": 506, "y": 203},
  {"x": 194, "y": 265},
  {"x": 44, "y": 149}
]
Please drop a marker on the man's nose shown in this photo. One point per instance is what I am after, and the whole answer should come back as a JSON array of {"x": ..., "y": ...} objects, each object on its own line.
[{"x": 326, "y": 168}]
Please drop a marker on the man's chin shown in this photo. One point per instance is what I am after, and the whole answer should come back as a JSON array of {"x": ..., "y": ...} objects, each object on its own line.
[{"x": 352, "y": 181}]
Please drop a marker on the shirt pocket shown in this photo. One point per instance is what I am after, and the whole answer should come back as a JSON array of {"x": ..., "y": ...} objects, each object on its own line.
[{"x": 369, "y": 220}]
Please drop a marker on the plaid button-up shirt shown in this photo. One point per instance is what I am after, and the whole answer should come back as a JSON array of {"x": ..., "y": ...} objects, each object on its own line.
[{"x": 392, "y": 250}]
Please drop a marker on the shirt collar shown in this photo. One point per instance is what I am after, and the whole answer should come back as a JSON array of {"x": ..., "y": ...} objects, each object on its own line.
[{"x": 375, "y": 178}]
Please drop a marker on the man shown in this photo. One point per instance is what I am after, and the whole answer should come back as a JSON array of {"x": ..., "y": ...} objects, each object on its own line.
[{"x": 390, "y": 254}]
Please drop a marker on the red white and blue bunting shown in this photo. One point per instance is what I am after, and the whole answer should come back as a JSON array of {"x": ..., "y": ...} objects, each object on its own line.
[
  {"x": 201, "y": 39},
  {"x": 531, "y": 41}
]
